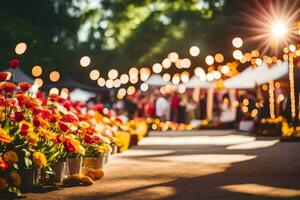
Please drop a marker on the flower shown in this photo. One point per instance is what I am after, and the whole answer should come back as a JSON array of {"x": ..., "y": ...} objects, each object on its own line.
[
  {"x": 104, "y": 149},
  {"x": 8, "y": 87},
  {"x": 3, "y": 164},
  {"x": 19, "y": 116},
  {"x": 15, "y": 179},
  {"x": 32, "y": 138},
  {"x": 11, "y": 157},
  {"x": 24, "y": 86},
  {"x": 3, "y": 183},
  {"x": 14, "y": 63},
  {"x": 4, "y": 137},
  {"x": 39, "y": 159},
  {"x": 3, "y": 76},
  {"x": 63, "y": 126},
  {"x": 25, "y": 127},
  {"x": 69, "y": 146},
  {"x": 69, "y": 118}
]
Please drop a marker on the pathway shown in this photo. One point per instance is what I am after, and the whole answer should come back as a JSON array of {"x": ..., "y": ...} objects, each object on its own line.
[{"x": 208, "y": 164}]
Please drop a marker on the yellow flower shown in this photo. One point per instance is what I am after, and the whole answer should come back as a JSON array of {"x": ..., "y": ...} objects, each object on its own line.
[
  {"x": 32, "y": 138},
  {"x": 16, "y": 179},
  {"x": 4, "y": 137},
  {"x": 11, "y": 157},
  {"x": 3, "y": 183},
  {"x": 46, "y": 133},
  {"x": 39, "y": 159},
  {"x": 104, "y": 149},
  {"x": 84, "y": 124},
  {"x": 80, "y": 149}
]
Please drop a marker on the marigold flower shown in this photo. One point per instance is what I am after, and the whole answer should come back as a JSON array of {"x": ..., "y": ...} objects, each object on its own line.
[
  {"x": 11, "y": 157},
  {"x": 69, "y": 118},
  {"x": 32, "y": 138},
  {"x": 39, "y": 159},
  {"x": 8, "y": 87},
  {"x": 5, "y": 137},
  {"x": 24, "y": 86},
  {"x": 3, "y": 76},
  {"x": 14, "y": 63},
  {"x": 15, "y": 179},
  {"x": 3, "y": 183}
]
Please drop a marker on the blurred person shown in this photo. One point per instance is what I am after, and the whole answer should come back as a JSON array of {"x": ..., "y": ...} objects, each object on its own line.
[
  {"x": 162, "y": 108},
  {"x": 149, "y": 107},
  {"x": 175, "y": 102},
  {"x": 191, "y": 108}
]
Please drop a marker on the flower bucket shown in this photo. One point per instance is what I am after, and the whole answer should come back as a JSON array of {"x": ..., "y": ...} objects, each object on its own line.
[
  {"x": 107, "y": 156},
  {"x": 61, "y": 172},
  {"x": 29, "y": 178},
  {"x": 74, "y": 165},
  {"x": 114, "y": 149}
]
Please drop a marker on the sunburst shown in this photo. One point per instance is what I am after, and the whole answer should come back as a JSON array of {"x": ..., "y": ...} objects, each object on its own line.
[{"x": 272, "y": 24}]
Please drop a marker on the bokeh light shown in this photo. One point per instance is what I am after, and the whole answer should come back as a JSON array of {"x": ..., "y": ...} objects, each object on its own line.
[
  {"x": 237, "y": 54},
  {"x": 237, "y": 42},
  {"x": 38, "y": 82},
  {"x": 166, "y": 77},
  {"x": 85, "y": 61},
  {"x": 144, "y": 87},
  {"x": 130, "y": 90},
  {"x": 219, "y": 58},
  {"x": 124, "y": 78},
  {"x": 209, "y": 60},
  {"x": 94, "y": 74},
  {"x": 54, "y": 91},
  {"x": 20, "y": 48},
  {"x": 166, "y": 63},
  {"x": 173, "y": 56},
  {"x": 157, "y": 68},
  {"x": 37, "y": 71},
  {"x": 54, "y": 76},
  {"x": 113, "y": 74},
  {"x": 101, "y": 82},
  {"x": 194, "y": 51}
]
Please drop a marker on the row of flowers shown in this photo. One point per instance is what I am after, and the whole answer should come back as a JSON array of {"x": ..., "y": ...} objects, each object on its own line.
[{"x": 37, "y": 134}]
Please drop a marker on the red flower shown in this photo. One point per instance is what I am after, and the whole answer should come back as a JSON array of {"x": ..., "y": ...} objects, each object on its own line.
[
  {"x": 8, "y": 87},
  {"x": 63, "y": 126},
  {"x": 89, "y": 139},
  {"x": 119, "y": 120},
  {"x": 24, "y": 86},
  {"x": 19, "y": 116},
  {"x": 24, "y": 129},
  {"x": 3, "y": 76},
  {"x": 67, "y": 104},
  {"x": 69, "y": 146},
  {"x": 99, "y": 107},
  {"x": 36, "y": 122},
  {"x": 57, "y": 139},
  {"x": 14, "y": 63},
  {"x": 69, "y": 118}
]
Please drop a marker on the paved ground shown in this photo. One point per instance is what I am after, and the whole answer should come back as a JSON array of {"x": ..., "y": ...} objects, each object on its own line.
[{"x": 204, "y": 165}]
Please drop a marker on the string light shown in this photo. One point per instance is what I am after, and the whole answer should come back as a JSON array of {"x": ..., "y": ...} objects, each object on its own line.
[
  {"x": 109, "y": 83},
  {"x": 144, "y": 87},
  {"x": 173, "y": 57},
  {"x": 271, "y": 99},
  {"x": 113, "y": 74},
  {"x": 38, "y": 82},
  {"x": 130, "y": 90},
  {"x": 292, "y": 86},
  {"x": 166, "y": 63},
  {"x": 219, "y": 58},
  {"x": 124, "y": 78},
  {"x": 157, "y": 68},
  {"x": 166, "y": 77},
  {"x": 237, "y": 54}
]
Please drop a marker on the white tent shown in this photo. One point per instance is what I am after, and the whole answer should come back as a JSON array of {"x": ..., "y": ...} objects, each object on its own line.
[
  {"x": 195, "y": 82},
  {"x": 156, "y": 80},
  {"x": 81, "y": 95},
  {"x": 276, "y": 72},
  {"x": 251, "y": 77}
]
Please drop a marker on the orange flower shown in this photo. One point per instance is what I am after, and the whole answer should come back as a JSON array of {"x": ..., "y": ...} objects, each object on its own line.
[
  {"x": 8, "y": 87},
  {"x": 5, "y": 137}
]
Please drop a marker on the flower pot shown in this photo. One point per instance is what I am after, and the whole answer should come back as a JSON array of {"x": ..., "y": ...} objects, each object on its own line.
[
  {"x": 74, "y": 165},
  {"x": 107, "y": 156},
  {"x": 91, "y": 163},
  {"x": 29, "y": 178},
  {"x": 61, "y": 171},
  {"x": 114, "y": 149}
]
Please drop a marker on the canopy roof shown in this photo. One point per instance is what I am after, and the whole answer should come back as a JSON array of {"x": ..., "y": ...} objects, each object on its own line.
[
  {"x": 156, "y": 80},
  {"x": 81, "y": 95},
  {"x": 251, "y": 77},
  {"x": 195, "y": 82}
]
